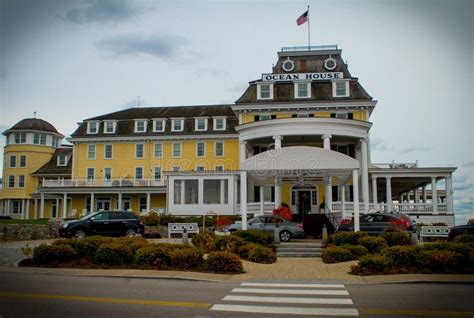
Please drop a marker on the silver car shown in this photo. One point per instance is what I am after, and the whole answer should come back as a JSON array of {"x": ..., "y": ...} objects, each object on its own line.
[{"x": 287, "y": 229}]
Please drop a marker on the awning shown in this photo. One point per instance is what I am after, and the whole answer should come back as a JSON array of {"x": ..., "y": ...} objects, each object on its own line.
[{"x": 301, "y": 163}]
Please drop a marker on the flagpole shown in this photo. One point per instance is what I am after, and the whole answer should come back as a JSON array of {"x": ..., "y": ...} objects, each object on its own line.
[{"x": 309, "y": 44}]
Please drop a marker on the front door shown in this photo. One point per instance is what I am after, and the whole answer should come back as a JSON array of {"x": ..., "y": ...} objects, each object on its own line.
[
  {"x": 304, "y": 204},
  {"x": 103, "y": 204}
]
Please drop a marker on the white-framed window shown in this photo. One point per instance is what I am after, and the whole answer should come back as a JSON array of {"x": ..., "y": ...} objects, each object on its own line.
[
  {"x": 265, "y": 91},
  {"x": 159, "y": 125},
  {"x": 55, "y": 142},
  {"x": 341, "y": 115},
  {"x": 21, "y": 181},
  {"x": 177, "y": 124},
  {"x": 176, "y": 150},
  {"x": 264, "y": 117},
  {"x": 20, "y": 138},
  {"x": 217, "y": 191},
  {"x": 90, "y": 174},
  {"x": 219, "y": 149},
  {"x": 176, "y": 168},
  {"x": 200, "y": 124},
  {"x": 200, "y": 168},
  {"x": 191, "y": 191},
  {"x": 302, "y": 89},
  {"x": 200, "y": 149},
  {"x": 140, "y": 125},
  {"x": 12, "y": 161},
  {"x": 340, "y": 89},
  {"x": 220, "y": 123},
  {"x": 62, "y": 160},
  {"x": 11, "y": 181},
  {"x": 138, "y": 173},
  {"x": 177, "y": 191},
  {"x": 158, "y": 150},
  {"x": 92, "y": 127},
  {"x": 91, "y": 151},
  {"x": 108, "y": 151},
  {"x": 107, "y": 174},
  {"x": 42, "y": 139},
  {"x": 219, "y": 168},
  {"x": 139, "y": 151},
  {"x": 109, "y": 127},
  {"x": 22, "y": 161},
  {"x": 343, "y": 149},
  {"x": 157, "y": 173},
  {"x": 36, "y": 138}
]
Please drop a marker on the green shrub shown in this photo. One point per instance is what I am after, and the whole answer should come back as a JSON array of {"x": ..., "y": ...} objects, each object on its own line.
[
  {"x": 396, "y": 238},
  {"x": 261, "y": 254},
  {"x": 403, "y": 257},
  {"x": 187, "y": 258},
  {"x": 356, "y": 250},
  {"x": 229, "y": 243},
  {"x": 134, "y": 243},
  {"x": 256, "y": 236},
  {"x": 205, "y": 242},
  {"x": 441, "y": 261},
  {"x": 373, "y": 244},
  {"x": 372, "y": 264},
  {"x": 460, "y": 248},
  {"x": 88, "y": 247},
  {"x": 47, "y": 254},
  {"x": 151, "y": 219},
  {"x": 150, "y": 256},
  {"x": 224, "y": 262},
  {"x": 336, "y": 254},
  {"x": 464, "y": 238},
  {"x": 113, "y": 254},
  {"x": 244, "y": 249},
  {"x": 344, "y": 237},
  {"x": 63, "y": 241}
]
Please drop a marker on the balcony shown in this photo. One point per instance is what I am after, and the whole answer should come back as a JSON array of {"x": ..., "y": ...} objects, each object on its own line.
[{"x": 96, "y": 183}]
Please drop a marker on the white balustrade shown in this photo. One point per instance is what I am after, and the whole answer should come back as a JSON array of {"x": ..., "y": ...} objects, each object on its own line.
[{"x": 108, "y": 183}]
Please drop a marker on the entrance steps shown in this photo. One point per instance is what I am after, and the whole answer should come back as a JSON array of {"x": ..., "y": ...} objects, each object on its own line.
[{"x": 300, "y": 249}]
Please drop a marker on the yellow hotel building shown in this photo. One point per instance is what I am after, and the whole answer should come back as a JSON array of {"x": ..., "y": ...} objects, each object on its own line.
[{"x": 298, "y": 135}]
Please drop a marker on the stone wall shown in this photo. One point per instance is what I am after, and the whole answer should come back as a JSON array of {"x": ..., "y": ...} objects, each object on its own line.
[{"x": 22, "y": 232}]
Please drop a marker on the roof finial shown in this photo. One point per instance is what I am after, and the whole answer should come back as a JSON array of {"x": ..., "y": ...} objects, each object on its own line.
[{"x": 34, "y": 114}]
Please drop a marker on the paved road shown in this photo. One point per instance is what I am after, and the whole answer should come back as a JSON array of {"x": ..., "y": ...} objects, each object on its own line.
[{"x": 39, "y": 295}]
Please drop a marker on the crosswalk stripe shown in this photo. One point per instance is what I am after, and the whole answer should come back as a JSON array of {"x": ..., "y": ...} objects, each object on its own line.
[
  {"x": 290, "y": 300},
  {"x": 287, "y": 310},
  {"x": 293, "y": 285},
  {"x": 290, "y": 291}
]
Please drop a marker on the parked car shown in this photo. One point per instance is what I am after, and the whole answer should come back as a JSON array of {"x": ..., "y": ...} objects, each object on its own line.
[
  {"x": 460, "y": 230},
  {"x": 267, "y": 223},
  {"x": 376, "y": 223},
  {"x": 113, "y": 223}
]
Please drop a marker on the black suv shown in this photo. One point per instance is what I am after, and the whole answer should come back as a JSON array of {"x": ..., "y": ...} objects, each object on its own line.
[{"x": 111, "y": 223}]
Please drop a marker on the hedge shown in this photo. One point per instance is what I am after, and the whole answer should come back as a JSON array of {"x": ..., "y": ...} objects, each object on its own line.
[
  {"x": 372, "y": 264},
  {"x": 113, "y": 254},
  {"x": 356, "y": 250},
  {"x": 394, "y": 238},
  {"x": 373, "y": 244},
  {"x": 256, "y": 236},
  {"x": 48, "y": 254},
  {"x": 187, "y": 258},
  {"x": 204, "y": 241},
  {"x": 229, "y": 243},
  {"x": 350, "y": 238},
  {"x": 403, "y": 257},
  {"x": 224, "y": 262},
  {"x": 261, "y": 254},
  {"x": 336, "y": 254},
  {"x": 149, "y": 257}
]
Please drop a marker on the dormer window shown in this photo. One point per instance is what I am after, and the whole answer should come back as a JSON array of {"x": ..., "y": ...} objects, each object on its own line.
[
  {"x": 20, "y": 138},
  {"x": 200, "y": 124},
  {"x": 303, "y": 90},
  {"x": 265, "y": 91},
  {"x": 177, "y": 124},
  {"x": 340, "y": 89},
  {"x": 159, "y": 125},
  {"x": 109, "y": 127},
  {"x": 140, "y": 125},
  {"x": 62, "y": 160},
  {"x": 93, "y": 127},
  {"x": 219, "y": 123}
]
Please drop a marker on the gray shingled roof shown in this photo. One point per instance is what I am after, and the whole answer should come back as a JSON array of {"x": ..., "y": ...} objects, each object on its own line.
[
  {"x": 32, "y": 124},
  {"x": 51, "y": 168}
]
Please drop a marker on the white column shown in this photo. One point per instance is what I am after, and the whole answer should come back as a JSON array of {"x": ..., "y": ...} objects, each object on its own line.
[
  {"x": 242, "y": 151},
  {"x": 343, "y": 200},
  {"x": 277, "y": 139},
  {"x": 92, "y": 202},
  {"x": 277, "y": 192},
  {"x": 222, "y": 185},
  {"x": 148, "y": 202},
  {"x": 243, "y": 198},
  {"x": 449, "y": 194},
  {"x": 64, "y": 205},
  {"x": 42, "y": 206},
  {"x": 119, "y": 203},
  {"x": 417, "y": 195},
  {"x": 434, "y": 195},
  {"x": 374, "y": 192},
  {"x": 424, "y": 193},
  {"x": 326, "y": 141},
  {"x": 27, "y": 217},
  {"x": 327, "y": 194},
  {"x": 262, "y": 201},
  {"x": 23, "y": 209},
  {"x": 355, "y": 193},
  {"x": 389, "y": 194},
  {"x": 365, "y": 174}
]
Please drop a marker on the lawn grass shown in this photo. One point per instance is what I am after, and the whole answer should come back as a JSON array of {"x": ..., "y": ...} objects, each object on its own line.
[{"x": 37, "y": 222}]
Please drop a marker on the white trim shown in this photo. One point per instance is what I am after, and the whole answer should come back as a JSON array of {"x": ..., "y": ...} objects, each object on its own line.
[
  {"x": 145, "y": 126},
  {"x": 24, "y": 181},
  {"x": 259, "y": 90},
  {"x": 221, "y": 168},
  {"x": 224, "y": 123},
  {"x": 180, "y": 149},
  {"x": 95, "y": 151},
  {"x": 323, "y": 105},
  {"x": 135, "y": 173},
  {"x": 197, "y": 152},
  {"x": 105, "y": 151},
  {"x": 143, "y": 150},
  {"x": 65, "y": 160},
  {"x": 10, "y": 161},
  {"x": 200, "y": 168},
  {"x": 334, "y": 88},
  {"x": 154, "y": 149},
  {"x": 19, "y": 161},
  {"x": 215, "y": 148},
  {"x": 114, "y": 126},
  {"x": 173, "y": 120},
  {"x": 308, "y": 88},
  {"x": 89, "y": 126},
  {"x": 151, "y": 137},
  {"x": 196, "y": 123},
  {"x": 154, "y": 173},
  {"x": 111, "y": 174},
  {"x": 87, "y": 173},
  {"x": 163, "y": 123}
]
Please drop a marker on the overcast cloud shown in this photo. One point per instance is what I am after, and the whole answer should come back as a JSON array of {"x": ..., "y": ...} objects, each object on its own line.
[{"x": 71, "y": 60}]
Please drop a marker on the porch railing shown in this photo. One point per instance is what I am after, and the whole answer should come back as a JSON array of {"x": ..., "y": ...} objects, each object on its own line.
[
  {"x": 111, "y": 183},
  {"x": 417, "y": 208}
]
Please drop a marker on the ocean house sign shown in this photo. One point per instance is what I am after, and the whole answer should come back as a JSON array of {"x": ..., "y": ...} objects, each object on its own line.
[{"x": 301, "y": 77}]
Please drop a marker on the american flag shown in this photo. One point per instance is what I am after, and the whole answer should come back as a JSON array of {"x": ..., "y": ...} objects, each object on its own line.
[{"x": 302, "y": 19}]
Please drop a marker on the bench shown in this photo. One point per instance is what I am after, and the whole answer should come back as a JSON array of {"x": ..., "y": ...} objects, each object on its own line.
[
  {"x": 179, "y": 228},
  {"x": 434, "y": 231}
]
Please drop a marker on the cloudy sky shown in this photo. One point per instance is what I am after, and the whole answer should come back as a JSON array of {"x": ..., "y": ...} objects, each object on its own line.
[{"x": 71, "y": 60}]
